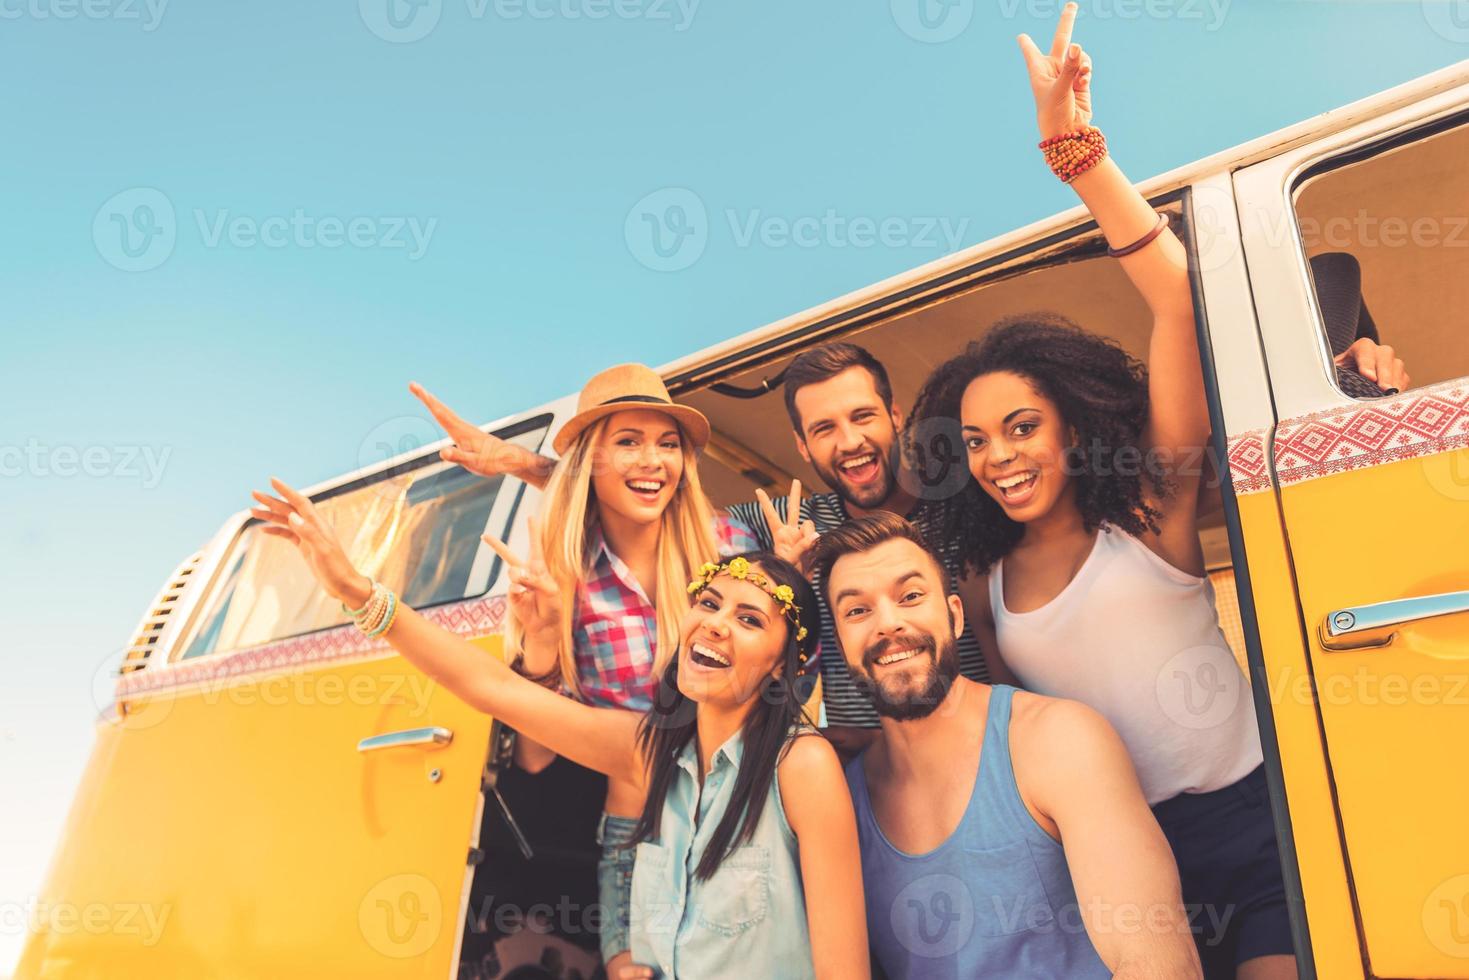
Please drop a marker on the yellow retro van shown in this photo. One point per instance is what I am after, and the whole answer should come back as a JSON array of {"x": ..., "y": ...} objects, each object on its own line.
[{"x": 275, "y": 796}]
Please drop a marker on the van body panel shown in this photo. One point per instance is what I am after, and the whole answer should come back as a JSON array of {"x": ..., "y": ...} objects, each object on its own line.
[
  {"x": 239, "y": 816},
  {"x": 1372, "y": 501}
]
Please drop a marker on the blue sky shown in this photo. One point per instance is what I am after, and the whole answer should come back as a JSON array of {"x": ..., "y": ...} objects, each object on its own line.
[{"x": 322, "y": 201}]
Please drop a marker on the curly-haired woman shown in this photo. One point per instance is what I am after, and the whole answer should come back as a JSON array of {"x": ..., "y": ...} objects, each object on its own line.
[{"x": 1079, "y": 529}]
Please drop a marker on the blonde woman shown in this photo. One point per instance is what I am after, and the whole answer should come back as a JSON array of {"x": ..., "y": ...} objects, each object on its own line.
[{"x": 624, "y": 527}]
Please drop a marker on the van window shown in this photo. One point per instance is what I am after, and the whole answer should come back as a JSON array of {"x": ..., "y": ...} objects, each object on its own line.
[
  {"x": 1390, "y": 225},
  {"x": 416, "y": 528}
]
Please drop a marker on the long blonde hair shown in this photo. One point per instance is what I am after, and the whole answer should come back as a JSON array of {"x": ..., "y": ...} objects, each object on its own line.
[{"x": 686, "y": 540}]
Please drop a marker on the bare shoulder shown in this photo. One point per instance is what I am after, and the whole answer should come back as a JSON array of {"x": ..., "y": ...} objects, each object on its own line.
[
  {"x": 808, "y": 756},
  {"x": 811, "y": 781},
  {"x": 1063, "y": 738}
]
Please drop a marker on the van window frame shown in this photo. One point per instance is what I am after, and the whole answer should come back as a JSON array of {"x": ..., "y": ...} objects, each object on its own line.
[
  {"x": 1320, "y": 166},
  {"x": 428, "y": 456}
]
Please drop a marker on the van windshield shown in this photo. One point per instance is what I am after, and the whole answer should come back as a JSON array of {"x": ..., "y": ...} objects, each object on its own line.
[{"x": 417, "y": 532}]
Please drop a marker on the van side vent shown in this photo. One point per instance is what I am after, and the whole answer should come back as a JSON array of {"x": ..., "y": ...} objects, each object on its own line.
[{"x": 145, "y": 637}]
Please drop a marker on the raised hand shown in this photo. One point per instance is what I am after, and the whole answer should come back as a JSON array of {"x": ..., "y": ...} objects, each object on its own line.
[
  {"x": 293, "y": 517},
  {"x": 474, "y": 449},
  {"x": 535, "y": 598},
  {"x": 793, "y": 537},
  {"x": 1060, "y": 80}
]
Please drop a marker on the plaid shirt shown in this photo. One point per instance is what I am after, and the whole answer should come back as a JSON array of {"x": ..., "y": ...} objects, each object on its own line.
[{"x": 616, "y": 631}]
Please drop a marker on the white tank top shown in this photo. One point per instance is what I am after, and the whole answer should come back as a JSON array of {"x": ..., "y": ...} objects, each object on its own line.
[{"x": 1139, "y": 641}]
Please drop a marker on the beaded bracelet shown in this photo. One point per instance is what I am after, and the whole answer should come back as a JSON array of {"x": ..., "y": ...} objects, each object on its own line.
[
  {"x": 1070, "y": 155},
  {"x": 355, "y": 613},
  {"x": 387, "y": 622}
]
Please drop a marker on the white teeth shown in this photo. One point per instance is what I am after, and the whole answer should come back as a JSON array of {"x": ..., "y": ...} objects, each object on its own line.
[
  {"x": 1006, "y": 483},
  {"x": 652, "y": 486},
  {"x": 704, "y": 651},
  {"x": 852, "y": 464},
  {"x": 895, "y": 656}
]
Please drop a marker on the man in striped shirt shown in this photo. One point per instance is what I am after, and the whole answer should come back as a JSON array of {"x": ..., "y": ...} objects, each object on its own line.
[{"x": 846, "y": 424}]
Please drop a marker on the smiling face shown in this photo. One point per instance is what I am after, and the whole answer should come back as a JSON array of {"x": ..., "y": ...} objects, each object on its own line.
[
  {"x": 638, "y": 464},
  {"x": 1016, "y": 443},
  {"x": 897, "y": 626},
  {"x": 848, "y": 436},
  {"x": 733, "y": 637}
]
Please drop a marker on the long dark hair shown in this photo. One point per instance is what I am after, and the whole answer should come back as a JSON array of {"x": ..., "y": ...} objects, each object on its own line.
[
  {"x": 671, "y": 725},
  {"x": 1102, "y": 394}
]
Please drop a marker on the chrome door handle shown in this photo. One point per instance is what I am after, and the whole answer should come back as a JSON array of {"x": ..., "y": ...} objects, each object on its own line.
[
  {"x": 1356, "y": 627},
  {"x": 411, "y": 736}
]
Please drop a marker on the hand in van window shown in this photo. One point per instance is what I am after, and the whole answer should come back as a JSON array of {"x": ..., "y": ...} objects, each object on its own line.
[
  {"x": 1377, "y": 363},
  {"x": 296, "y": 519},
  {"x": 478, "y": 451}
]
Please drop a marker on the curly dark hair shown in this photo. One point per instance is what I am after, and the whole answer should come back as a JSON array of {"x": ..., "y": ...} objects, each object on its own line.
[{"x": 1102, "y": 393}]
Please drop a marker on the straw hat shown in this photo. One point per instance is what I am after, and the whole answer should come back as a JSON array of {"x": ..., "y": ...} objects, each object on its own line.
[{"x": 625, "y": 387}]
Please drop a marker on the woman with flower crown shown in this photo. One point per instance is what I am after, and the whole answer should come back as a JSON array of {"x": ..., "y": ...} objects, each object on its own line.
[{"x": 744, "y": 815}]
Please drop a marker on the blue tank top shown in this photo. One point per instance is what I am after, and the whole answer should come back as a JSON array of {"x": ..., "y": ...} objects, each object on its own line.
[{"x": 994, "y": 900}]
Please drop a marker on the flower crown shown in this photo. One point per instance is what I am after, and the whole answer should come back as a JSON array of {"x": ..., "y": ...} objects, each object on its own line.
[{"x": 740, "y": 568}]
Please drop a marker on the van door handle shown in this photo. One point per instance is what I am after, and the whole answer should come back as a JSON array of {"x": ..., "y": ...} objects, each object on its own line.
[
  {"x": 410, "y": 736},
  {"x": 1356, "y": 627}
]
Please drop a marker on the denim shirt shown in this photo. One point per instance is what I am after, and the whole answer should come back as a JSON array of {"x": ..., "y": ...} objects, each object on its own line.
[{"x": 749, "y": 919}]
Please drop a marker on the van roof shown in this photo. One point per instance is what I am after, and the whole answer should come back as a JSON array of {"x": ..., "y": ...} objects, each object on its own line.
[{"x": 680, "y": 372}]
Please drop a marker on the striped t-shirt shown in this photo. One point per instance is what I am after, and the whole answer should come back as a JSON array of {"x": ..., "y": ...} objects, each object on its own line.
[{"x": 845, "y": 704}]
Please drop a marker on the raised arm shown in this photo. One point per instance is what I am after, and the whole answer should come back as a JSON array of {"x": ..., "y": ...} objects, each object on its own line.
[
  {"x": 603, "y": 739},
  {"x": 481, "y": 453},
  {"x": 1179, "y": 416},
  {"x": 819, "y": 809},
  {"x": 1080, "y": 777}
]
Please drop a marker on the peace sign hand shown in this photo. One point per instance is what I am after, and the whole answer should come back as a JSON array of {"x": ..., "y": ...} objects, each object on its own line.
[
  {"x": 293, "y": 517},
  {"x": 793, "y": 538},
  {"x": 1060, "y": 80},
  {"x": 474, "y": 449},
  {"x": 535, "y": 598}
]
